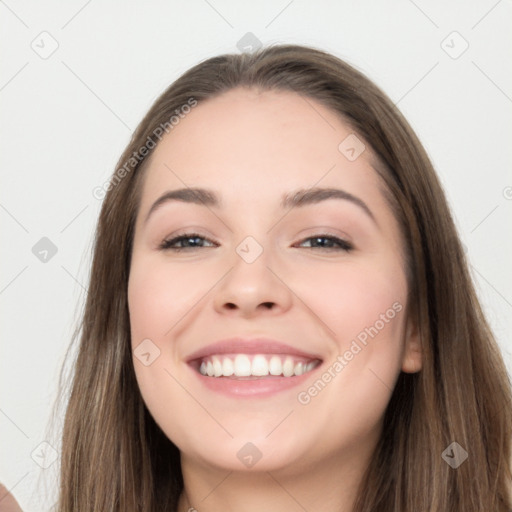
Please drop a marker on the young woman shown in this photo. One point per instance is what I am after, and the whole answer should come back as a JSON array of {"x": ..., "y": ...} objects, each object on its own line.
[{"x": 280, "y": 314}]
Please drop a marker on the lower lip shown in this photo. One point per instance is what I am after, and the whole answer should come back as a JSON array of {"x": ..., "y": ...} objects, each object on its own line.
[{"x": 258, "y": 387}]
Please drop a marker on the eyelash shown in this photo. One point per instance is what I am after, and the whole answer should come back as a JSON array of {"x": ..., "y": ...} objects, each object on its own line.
[{"x": 167, "y": 244}]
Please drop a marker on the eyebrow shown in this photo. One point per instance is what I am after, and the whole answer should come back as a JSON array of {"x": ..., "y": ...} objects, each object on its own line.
[{"x": 290, "y": 200}]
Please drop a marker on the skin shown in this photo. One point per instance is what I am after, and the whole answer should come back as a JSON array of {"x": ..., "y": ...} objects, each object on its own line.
[
  {"x": 251, "y": 147},
  {"x": 7, "y": 501}
]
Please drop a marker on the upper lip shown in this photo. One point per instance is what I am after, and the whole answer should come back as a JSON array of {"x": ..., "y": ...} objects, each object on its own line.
[{"x": 258, "y": 345}]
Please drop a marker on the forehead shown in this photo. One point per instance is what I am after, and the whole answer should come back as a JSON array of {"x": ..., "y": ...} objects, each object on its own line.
[{"x": 247, "y": 141}]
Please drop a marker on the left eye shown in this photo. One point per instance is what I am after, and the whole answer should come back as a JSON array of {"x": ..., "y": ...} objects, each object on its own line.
[
  {"x": 315, "y": 242},
  {"x": 342, "y": 244}
]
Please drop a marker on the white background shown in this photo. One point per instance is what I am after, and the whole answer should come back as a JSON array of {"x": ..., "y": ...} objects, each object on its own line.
[{"x": 67, "y": 118}]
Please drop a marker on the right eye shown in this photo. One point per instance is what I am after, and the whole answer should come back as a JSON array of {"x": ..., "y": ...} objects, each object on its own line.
[{"x": 169, "y": 244}]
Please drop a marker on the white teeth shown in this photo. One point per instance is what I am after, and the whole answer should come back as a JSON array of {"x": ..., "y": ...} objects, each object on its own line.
[
  {"x": 259, "y": 366},
  {"x": 275, "y": 366},
  {"x": 228, "y": 367},
  {"x": 288, "y": 367},
  {"x": 217, "y": 366},
  {"x": 241, "y": 365},
  {"x": 299, "y": 369}
]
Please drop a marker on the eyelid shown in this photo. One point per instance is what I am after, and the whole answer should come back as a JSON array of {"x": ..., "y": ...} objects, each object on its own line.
[
  {"x": 325, "y": 231},
  {"x": 189, "y": 231}
]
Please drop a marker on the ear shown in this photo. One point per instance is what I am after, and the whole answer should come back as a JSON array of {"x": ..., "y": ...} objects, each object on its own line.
[{"x": 412, "y": 355}]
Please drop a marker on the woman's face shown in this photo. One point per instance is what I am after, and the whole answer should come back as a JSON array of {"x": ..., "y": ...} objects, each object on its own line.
[{"x": 325, "y": 277}]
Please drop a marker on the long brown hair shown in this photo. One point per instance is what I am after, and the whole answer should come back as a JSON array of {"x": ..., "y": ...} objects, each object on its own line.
[{"x": 114, "y": 457}]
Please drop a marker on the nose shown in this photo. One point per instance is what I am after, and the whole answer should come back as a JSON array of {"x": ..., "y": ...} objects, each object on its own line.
[{"x": 255, "y": 288}]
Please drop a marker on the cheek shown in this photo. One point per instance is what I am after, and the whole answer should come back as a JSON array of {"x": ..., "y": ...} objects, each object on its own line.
[
  {"x": 350, "y": 297},
  {"x": 159, "y": 295},
  {"x": 155, "y": 301},
  {"x": 363, "y": 312}
]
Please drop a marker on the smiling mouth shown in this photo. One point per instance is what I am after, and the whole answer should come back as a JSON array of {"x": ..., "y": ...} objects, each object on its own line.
[{"x": 254, "y": 366}]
